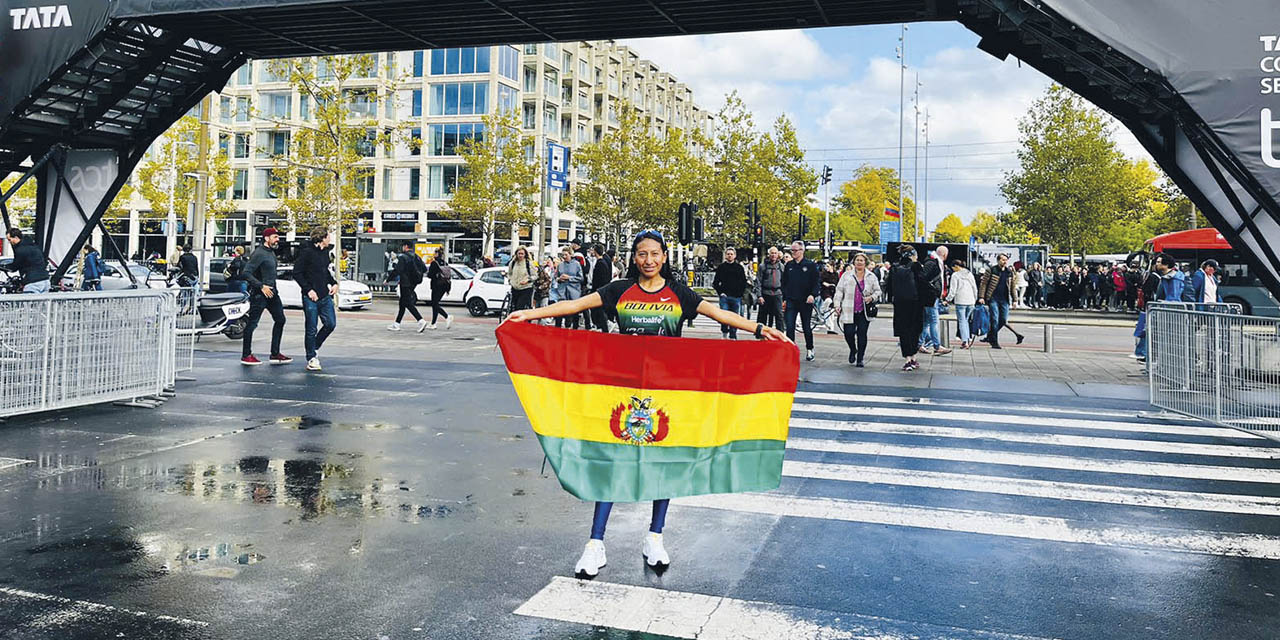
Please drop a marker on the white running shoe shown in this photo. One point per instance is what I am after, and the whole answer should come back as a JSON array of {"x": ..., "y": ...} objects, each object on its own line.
[
  {"x": 592, "y": 559},
  {"x": 432, "y": 326},
  {"x": 422, "y": 325},
  {"x": 313, "y": 364},
  {"x": 653, "y": 551},
  {"x": 448, "y": 322},
  {"x": 394, "y": 326}
]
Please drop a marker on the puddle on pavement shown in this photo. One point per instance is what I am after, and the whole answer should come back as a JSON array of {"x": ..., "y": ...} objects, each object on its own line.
[
  {"x": 221, "y": 560},
  {"x": 303, "y": 423},
  {"x": 314, "y": 487}
]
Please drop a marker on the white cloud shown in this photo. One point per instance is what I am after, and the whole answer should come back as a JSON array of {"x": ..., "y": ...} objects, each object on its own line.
[
  {"x": 847, "y": 111},
  {"x": 749, "y": 63}
]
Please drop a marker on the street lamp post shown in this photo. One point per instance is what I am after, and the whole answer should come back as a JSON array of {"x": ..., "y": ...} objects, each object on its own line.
[
  {"x": 902, "y": 76},
  {"x": 171, "y": 221}
]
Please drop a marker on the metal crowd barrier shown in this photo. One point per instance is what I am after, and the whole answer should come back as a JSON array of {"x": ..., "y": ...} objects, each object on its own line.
[
  {"x": 69, "y": 349},
  {"x": 1211, "y": 362},
  {"x": 188, "y": 318}
]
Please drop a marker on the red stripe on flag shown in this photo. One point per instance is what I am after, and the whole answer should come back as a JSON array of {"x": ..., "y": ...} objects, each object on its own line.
[
  {"x": 649, "y": 362},
  {"x": 892, "y": 213}
]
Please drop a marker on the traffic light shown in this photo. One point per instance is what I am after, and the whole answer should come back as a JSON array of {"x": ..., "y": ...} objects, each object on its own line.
[
  {"x": 697, "y": 230},
  {"x": 757, "y": 236},
  {"x": 755, "y": 233},
  {"x": 684, "y": 223},
  {"x": 830, "y": 242},
  {"x": 826, "y": 174},
  {"x": 803, "y": 229}
]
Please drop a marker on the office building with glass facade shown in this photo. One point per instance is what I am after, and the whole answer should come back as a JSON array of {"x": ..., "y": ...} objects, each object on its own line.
[{"x": 565, "y": 93}]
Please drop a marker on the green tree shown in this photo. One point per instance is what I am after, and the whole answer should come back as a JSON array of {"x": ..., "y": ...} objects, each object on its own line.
[
  {"x": 22, "y": 204},
  {"x": 500, "y": 185},
  {"x": 634, "y": 179},
  {"x": 167, "y": 175},
  {"x": 951, "y": 229},
  {"x": 859, "y": 208},
  {"x": 749, "y": 165},
  {"x": 323, "y": 179},
  {"x": 1072, "y": 180}
]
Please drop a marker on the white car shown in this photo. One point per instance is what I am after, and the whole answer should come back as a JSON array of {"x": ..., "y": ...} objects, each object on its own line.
[
  {"x": 351, "y": 294},
  {"x": 487, "y": 291},
  {"x": 115, "y": 279},
  {"x": 462, "y": 275}
]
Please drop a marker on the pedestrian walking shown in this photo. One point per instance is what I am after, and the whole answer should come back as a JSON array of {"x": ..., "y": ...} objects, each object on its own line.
[
  {"x": 440, "y": 274},
  {"x": 994, "y": 292},
  {"x": 232, "y": 274},
  {"x": 568, "y": 285},
  {"x": 800, "y": 288},
  {"x": 542, "y": 283},
  {"x": 855, "y": 305},
  {"x": 407, "y": 271},
  {"x": 29, "y": 262},
  {"x": 730, "y": 283},
  {"x": 1203, "y": 287},
  {"x": 934, "y": 272},
  {"x": 964, "y": 294},
  {"x": 830, "y": 278},
  {"x": 260, "y": 273},
  {"x": 1119, "y": 288},
  {"x": 1019, "y": 285},
  {"x": 649, "y": 300},
  {"x": 769, "y": 281},
  {"x": 601, "y": 274},
  {"x": 902, "y": 288},
  {"x": 523, "y": 278},
  {"x": 1035, "y": 286},
  {"x": 93, "y": 269},
  {"x": 315, "y": 279}
]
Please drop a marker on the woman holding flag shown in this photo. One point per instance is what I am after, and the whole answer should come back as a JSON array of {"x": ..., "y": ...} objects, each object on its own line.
[{"x": 649, "y": 300}]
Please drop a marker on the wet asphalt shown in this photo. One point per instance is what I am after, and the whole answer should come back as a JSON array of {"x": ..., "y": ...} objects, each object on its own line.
[{"x": 404, "y": 497}]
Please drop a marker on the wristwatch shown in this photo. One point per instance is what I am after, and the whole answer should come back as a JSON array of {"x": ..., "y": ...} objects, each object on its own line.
[{"x": 759, "y": 331}]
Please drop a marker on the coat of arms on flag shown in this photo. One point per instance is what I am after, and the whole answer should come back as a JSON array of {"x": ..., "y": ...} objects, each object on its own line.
[{"x": 630, "y": 418}]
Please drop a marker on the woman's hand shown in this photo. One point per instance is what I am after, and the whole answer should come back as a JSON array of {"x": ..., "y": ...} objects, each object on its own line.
[
  {"x": 770, "y": 333},
  {"x": 519, "y": 316}
]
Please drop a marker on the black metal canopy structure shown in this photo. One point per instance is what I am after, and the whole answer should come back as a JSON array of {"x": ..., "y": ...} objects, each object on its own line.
[{"x": 116, "y": 74}]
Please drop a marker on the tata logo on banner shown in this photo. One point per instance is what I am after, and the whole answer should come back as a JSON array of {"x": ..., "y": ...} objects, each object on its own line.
[{"x": 40, "y": 17}]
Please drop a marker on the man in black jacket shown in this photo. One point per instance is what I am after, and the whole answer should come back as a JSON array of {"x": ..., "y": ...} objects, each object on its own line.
[
  {"x": 260, "y": 273},
  {"x": 188, "y": 268},
  {"x": 29, "y": 262},
  {"x": 408, "y": 269},
  {"x": 311, "y": 272},
  {"x": 730, "y": 282},
  {"x": 800, "y": 287},
  {"x": 601, "y": 275}
]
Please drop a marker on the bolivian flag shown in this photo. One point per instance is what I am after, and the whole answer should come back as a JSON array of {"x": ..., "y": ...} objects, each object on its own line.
[{"x": 629, "y": 418}]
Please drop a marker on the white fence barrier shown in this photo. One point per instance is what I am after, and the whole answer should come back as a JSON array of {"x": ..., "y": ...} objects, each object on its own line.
[
  {"x": 69, "y": 349},
  {"x": 188, "y": 318},
  {"x": 1219, "y": 367}
]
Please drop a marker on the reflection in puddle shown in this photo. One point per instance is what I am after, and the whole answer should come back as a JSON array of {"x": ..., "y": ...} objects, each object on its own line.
[
  {"x": 315, "y": 487},
  {"x": 219, "y": 560},
  {"x": 302, "y": 423}
]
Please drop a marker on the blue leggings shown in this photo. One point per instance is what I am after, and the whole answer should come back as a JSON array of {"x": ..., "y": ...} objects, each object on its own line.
[{"x": 601, "y": 517}]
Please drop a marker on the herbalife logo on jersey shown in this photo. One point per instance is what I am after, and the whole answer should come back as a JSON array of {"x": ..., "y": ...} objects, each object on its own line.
[{"x": 46, "y": 17}]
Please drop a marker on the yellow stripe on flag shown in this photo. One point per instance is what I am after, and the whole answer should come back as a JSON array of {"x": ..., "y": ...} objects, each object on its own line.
[{"x": 693, "y": 418}]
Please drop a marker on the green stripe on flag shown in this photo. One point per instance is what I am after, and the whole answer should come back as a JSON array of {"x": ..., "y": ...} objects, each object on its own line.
[{"x": 609, "y": 472}]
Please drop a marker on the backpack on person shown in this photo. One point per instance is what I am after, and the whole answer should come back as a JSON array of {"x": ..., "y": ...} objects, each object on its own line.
[{"x": 412, "y": 269}]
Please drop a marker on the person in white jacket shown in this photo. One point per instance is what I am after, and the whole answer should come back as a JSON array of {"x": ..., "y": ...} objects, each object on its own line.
[
  {"x": 963, "y": 292},
  {"x": 857, "y": 290}
]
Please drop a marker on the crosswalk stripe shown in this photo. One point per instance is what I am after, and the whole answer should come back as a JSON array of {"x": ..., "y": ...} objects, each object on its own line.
[
  {"x": 1051, "y": 439},
  {"x": 1075, "y": 491},
  {"x": 1035, "y": 421},
  {"x": 997, "y": 524},
  {"x": 995, "y": 407},
  {"x": 681, "y": 614},
  {"x": 1041, "y": 461}
]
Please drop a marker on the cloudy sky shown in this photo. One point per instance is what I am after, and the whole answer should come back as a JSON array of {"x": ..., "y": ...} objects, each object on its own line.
[{"x": 840, "y": 87}]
